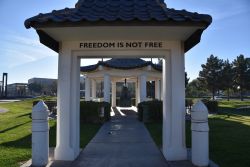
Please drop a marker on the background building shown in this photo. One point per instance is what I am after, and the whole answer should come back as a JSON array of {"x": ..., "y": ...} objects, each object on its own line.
[
  {"x": 18, "y": 90},
  {"x": 42, "y": 86}
]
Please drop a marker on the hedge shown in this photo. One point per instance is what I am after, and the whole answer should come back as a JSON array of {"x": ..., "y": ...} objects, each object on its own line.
[
  {"x": 189, "y": 103},
  {"x": 212, "y": 105},
  {"x": 90, "y": 111},
  {"x": 153, "y": 109},
  {"x": 50, "y": 103}
]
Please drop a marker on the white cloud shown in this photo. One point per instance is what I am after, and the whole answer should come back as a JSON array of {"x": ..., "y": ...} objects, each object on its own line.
[
  {"x": 17, "y": 50},
  {"x": 228, "y": 9}
]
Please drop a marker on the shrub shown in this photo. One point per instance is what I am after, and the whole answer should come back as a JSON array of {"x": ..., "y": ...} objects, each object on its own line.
[
  {"x": 153, "y": 109},
  {"x": 50, "y": 103},
  {"x": 90, "y": 111},
  {"x": 189, "y": 103},
  {"x": 212, "y": 105}
]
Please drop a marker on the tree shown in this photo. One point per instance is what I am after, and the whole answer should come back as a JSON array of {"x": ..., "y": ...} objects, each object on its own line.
[
  {"x": 227, "y": 77},
  {"x": 195, "y": 89},
  {"x": 35, "y": 87},
  {"x": 240, "y": 67},
  {"x": 210, "y": 75},
  {"x": 53, "y": 88},
  {"x": 186, "y": 79},
  {"x": 248, "y": 74}
]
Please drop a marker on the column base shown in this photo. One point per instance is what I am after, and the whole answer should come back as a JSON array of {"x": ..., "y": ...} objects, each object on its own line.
[
  {"x": 175, "y": 154},
  {"x": 64, "y": 154}
]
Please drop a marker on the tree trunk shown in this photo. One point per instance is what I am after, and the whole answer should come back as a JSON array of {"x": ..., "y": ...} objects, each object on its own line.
[
  {"x": 241, "y": 95},
  {"x": 228, "y": 94},
  {"x": 213, "y": 93}
]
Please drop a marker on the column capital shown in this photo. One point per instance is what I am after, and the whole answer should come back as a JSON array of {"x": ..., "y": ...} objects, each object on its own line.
[
  {"x": 143, "y": 74},
  {"x": 106, "y": 75}
]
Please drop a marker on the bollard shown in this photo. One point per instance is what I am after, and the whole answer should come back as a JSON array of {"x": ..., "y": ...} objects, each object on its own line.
[
  {"x": 40, "y": 134},
  {"x": 200, "y": 136}
]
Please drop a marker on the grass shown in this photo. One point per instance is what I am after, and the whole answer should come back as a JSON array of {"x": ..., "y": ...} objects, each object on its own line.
[
  {"x": 229, "y": 134},
  {"x": 15, "y": 133}
]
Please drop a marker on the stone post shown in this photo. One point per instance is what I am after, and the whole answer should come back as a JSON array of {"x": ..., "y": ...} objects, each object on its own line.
[
  {"x": 200, "y": 129},
  {"x": 40, "y": 134}
]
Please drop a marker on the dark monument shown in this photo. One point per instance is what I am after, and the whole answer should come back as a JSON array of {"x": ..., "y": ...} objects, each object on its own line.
[
  {"x": 125, "y": 99},
  {"x": 4, "y": 85}
]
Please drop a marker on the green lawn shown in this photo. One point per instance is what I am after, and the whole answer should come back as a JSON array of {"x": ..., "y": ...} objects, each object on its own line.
[
  {"x": 229, "y": 134},
  {"x": 15, "y": 133}
]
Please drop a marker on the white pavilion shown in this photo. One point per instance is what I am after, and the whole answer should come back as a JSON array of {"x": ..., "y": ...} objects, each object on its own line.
[
  {"x": 131, "y": 70},
  {"x": 121, "y": 29}
]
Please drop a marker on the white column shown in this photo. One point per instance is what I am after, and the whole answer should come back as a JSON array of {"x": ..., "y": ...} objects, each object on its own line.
[
  {"x": 93, "y": 84},
  {"x": 161, "y": 88},
  {"x": 157, "y": 89},
  {"x": 106, "y": 88},
  {"x": 75, "y": 106},
  {"x": 64, "y": 150},
  {"x": 113, "y": 94},
  {"x": 87, "y": 89},
  {"x": 137, "y": 93},
  {"x": 143, "y": 88},
  {"x": 174, "y": 147}
]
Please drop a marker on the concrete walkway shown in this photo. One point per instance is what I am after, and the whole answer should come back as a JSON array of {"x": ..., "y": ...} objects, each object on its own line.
[
  {"x": 124, "y": 142},
  {"x": 121, "y": 142}
]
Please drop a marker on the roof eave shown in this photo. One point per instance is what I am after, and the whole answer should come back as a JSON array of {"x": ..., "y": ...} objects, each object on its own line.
[
  {"x": 94, "y": 67},
  {"x": 50, "y": 42}
]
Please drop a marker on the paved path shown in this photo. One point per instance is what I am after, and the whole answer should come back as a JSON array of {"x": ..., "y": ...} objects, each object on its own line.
[{"x": 122, "y": 142}]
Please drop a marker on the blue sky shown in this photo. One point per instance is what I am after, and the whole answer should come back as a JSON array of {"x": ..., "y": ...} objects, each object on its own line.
[{"x": 23, "y": 57}]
